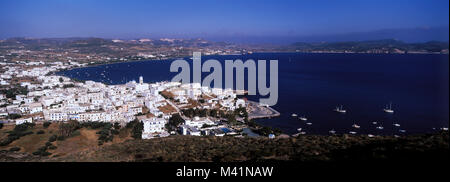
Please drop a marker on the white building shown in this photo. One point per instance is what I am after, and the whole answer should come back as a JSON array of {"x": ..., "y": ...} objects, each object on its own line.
[
  {"x": 152, "y": 125},
  {"x": 24, "y": 120}
]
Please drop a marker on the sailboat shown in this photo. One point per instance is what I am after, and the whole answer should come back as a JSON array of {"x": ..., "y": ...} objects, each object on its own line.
[
  {"x": 388, "y": 109},
  {"x": 340, "y": 109}
]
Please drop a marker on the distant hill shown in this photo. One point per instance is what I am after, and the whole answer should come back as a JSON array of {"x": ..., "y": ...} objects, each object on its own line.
[{"x": 387, "y": 45}]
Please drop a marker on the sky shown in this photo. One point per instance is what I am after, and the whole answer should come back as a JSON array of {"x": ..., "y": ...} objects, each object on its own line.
[{"x": 214, "y": 18}]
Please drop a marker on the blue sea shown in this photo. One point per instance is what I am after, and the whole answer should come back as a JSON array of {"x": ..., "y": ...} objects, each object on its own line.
[{"x": 312, "y": 85}]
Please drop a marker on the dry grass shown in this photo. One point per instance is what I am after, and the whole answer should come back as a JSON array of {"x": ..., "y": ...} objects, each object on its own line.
[
  {"x": 167, "y": 94},
  {"x": 30, "y": 143},
  {"x": 167, "y": 109},
  {"x": 82, "y": 140}
]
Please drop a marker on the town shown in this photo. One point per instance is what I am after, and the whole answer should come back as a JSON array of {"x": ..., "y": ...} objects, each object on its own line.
[{"x": 32, "y": 93}]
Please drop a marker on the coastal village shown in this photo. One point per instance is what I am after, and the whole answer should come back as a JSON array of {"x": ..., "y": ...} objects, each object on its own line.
[{"x": 37, "y": 95}]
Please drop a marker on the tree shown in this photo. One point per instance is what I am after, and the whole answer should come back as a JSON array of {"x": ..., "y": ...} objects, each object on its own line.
[
  {"x": 174, "y": 122},
  {"x": 136, "y": 132},
  {"x": 1, "y": 125},
  {"x": 66, "y": 129},
  {"x": 116, "y": 126},
  {"x": 47, "y": 124}
]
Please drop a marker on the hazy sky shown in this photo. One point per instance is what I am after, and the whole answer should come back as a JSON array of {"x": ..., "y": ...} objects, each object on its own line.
[{"x": 196, "y": 18}]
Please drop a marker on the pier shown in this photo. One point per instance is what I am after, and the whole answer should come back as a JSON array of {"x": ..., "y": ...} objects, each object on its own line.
[{"x": 259, "y": 111}]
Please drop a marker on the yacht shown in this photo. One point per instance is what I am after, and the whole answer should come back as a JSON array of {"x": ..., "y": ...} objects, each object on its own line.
[
  {"x": 352, "y": 132},
  {"x": 303, "y": 118},
  {"x": 396, "y": 125},
  {"x": 380, "y": 127},
  {"x": 294, "y": 115},
  {"x": 299, "y": 129},
  {"x": 388, "y": 109},
  {"x": 309, "y": 123},
  {"x": 370, "y": 135},
  {"x": 356, "y": 126},
  {"x": 340, "y": 109},
  {"x": 444, "y": 129},
  {"x": 374, "y": 122},
  {"x": 332, "y": 131},
  {"x": 402, "y": 131}
]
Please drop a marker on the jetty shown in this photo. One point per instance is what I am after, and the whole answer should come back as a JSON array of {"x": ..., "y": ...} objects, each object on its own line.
[{"x": 259, "y": 111}]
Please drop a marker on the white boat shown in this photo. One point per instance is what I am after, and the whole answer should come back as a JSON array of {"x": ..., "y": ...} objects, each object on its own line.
[
  {"x": 402, "y": 131},
  {"x": 299, "y": 129},
  {"x": 370, "y": 135},
  {"x": 356, "y": 126},
  {"x": 396, "y": 136},
  {"x": 352, "y": 132},
  {"x": 444, "y": 129},
  {"x": 380, "y": 127},
  {"x": 294, "y": 115},
  {"x": 332, "y": 131},
  {"x": 374, "y": 122},
  {"x": 396, "y": 125},
  {"x": 302, "y": 133},
  {"x": 340, "y": 109},
  {"x": 388, "y": 109},
  {"x": 309, "y": 123},
  {"x": 303, "y": 118}
]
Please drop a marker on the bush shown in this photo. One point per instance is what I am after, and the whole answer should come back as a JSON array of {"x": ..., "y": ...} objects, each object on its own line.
[
  {"x": 60, "y": 138},
  {"x": 52, "y": 147},
  {"x": 52, "y": 138},
  {"x": 47, "y": 124},
  {"x": 40, "y": 132},
  {"x": 14, "y": 149},
  {"x": 1, "y": 125},
  {"x": 48, "y": 144}
]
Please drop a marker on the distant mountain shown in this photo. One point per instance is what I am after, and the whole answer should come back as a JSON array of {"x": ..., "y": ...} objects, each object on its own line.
[
  {"x": 374, "y": 46},
  {"x": 407, "y": 35},
  {"x": 410, "y": 35}
]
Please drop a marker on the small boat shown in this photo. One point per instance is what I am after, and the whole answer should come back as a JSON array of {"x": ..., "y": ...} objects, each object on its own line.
[
  {"x": 294, "y": 115},
  {"x": 299, "y": 129},
  {"x": 370, "y": 135},
  {"x": 396, "y": 125},
  {"x": 303, "y": 118},
  {"x": 302, "y": 133},
  {"x": 380, "y": 127},
  {"x": 352, "y": 132},
  {"x": 444, "y": 129},
  {"x": 388, "y": 109},
  {"x": 308, "y": 123},
  {"x": 402, "y": 131},
  {"x": 374, "y": 122},
  {"x": 356, "y": 126},
  {"x": 340, "y": 109},
  {"x": 332, "y": 131}
]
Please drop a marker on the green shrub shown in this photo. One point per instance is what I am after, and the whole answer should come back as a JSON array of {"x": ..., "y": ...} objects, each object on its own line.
[
  {"x": 47, "y": 124},
  {"x": 40, "y": 132},
  {"x": 14, "y": 149},
  {"x": 52, "y": 138},
  {"x": 60, "y": 138}
]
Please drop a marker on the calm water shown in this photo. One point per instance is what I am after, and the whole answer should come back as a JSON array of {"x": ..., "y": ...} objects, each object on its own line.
[{"x": 314, "y": 84}]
